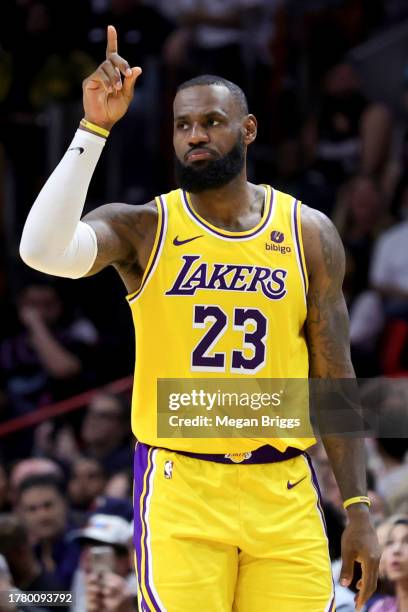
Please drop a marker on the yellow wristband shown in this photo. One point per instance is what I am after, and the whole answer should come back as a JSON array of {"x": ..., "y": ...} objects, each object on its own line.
[
  {"x": 361, "y": 499},
  {"x": 96, "y": 129}
]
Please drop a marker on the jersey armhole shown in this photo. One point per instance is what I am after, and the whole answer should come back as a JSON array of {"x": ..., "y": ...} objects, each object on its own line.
[
  {"x": 298, "y": 239},
  {"x": 156, "y": 250}
]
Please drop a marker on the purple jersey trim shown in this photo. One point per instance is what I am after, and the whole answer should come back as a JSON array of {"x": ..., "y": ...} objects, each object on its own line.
[
  {"x": 297, "y": 240},
  {"x": 238, "y": 235},
  {"x": 156, "y": 252}
]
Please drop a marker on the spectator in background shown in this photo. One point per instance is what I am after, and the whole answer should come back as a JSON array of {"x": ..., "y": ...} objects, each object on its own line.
[
  {"x": 6, "y": 586},
  {"x": 49, "y": 359},
  {"x": 394, "y": 476},
  {"x": 213, "y": 37},
  {"x": 120, "y": 485},
  {"x": 397, "y": 174},
  {"x": 388, "y": 299},
  {"x": 55, "y": 440},
  {"x": 386, "y": 400},
  {"x": 86, "y": 482},
  {"x": 114, "y": 507},
  {"x": 31, "y": 467},
  {"x": 117, "y": 588},
  {"x": 389, "y": 268},
  {"x": 105, "y": 432},
  {"x": 28, "y": 575},
  {"x": 43, "y": 511},
  {"x": 359, "y": 216},
  {"x": 394, "y": 562},
  {"x": 349, "y": 135}
]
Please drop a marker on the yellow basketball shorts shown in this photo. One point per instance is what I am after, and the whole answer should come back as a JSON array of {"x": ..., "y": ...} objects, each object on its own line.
[{"x": 221, "y": 538}]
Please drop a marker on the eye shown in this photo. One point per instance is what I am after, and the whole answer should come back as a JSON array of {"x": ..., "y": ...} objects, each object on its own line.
[
  {"x": 213, "y": 122},
  {"x": 182, "y": 125}
]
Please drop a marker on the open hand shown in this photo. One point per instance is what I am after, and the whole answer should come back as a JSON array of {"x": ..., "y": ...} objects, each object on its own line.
[
  {"x": 106, "y": 97},
  {"x": 359, "y": 543}
]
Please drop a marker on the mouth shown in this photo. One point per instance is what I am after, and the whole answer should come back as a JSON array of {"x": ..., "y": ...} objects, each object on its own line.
[
  {"x": 199, "y": 155},
  {"x": 396, "y": 565}
]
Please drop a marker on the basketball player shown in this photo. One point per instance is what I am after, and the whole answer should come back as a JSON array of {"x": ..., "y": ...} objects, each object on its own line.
[{"x": 220, "y": 524}]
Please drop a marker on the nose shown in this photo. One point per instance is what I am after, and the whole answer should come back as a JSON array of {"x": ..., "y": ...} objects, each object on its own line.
[
  {"x": 396, "y": 549},
  {"x": 198, "y": 134}
]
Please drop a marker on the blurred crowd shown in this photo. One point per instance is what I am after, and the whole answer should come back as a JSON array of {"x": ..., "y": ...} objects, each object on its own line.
[{"x": 328, "y": 83}]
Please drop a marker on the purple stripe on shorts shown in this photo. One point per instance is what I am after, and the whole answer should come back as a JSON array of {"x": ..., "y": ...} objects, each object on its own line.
[
  {"x": 141, "y": 466},
  {"x": 229, "y": 236},
  {"x": 295, "y": 223},
  {"x": 319, "y": 493},
  {"x": 315, "y": 483}
]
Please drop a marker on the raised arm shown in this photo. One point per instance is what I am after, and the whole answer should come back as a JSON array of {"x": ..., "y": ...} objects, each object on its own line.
[
  {"x": 55, "y": 240},
  {"x": 329, "y": 357}
]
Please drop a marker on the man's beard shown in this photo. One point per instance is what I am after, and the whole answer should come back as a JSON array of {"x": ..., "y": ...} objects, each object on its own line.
[{"x": 214, "y": 173}]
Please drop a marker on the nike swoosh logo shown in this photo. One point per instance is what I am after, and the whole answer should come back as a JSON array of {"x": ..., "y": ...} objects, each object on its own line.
[
  {"x": 178, "y": 242},
  {"x": 293, "y": 484},
  {"x": 80, "y": 149}
]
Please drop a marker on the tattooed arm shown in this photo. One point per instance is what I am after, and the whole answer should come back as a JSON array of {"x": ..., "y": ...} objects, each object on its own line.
[
  {"x": 327, "y": 331},
  {"x": 125, "y": 236}
]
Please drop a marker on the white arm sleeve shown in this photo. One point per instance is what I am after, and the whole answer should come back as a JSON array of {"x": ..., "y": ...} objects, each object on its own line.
[{"x": 54, "y": 239}]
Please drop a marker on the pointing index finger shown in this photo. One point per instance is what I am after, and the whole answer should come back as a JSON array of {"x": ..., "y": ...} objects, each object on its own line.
[{"x": 112, "y": 43}]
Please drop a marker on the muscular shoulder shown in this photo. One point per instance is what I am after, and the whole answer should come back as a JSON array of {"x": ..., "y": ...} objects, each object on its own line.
[
  {"x": 124, "y": 232},
  {"x": 324, "y": 252}
]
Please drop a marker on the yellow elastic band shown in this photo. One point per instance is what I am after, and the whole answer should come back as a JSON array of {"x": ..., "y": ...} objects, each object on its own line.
[
  {"x": 96, "y": 129},
  {"x": 361, "y": 499}
]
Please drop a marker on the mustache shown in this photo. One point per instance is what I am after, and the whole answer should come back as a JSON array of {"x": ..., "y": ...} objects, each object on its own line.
[{"x": 199, "y": 148}]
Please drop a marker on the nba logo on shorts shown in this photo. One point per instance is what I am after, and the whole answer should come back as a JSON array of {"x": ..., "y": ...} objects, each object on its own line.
[{"x": 168, "y": 469}]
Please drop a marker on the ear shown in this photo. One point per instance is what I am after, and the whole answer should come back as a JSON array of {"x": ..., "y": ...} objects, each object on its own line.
[{"x": 250, "y": 128}]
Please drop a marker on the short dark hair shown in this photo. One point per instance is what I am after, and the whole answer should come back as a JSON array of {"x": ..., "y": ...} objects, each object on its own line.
[
  {"x": 211, "y": 79},
  {"x": 41, "y": 480}
]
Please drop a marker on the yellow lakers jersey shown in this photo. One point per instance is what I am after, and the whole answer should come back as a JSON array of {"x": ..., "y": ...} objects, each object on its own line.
[{"x": 219, "y": 304}]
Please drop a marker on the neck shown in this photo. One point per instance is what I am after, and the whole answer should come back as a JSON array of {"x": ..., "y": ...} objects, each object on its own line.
[
  {"x": 225, "y": 205},
  {"x": 401, "y": 590}
]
